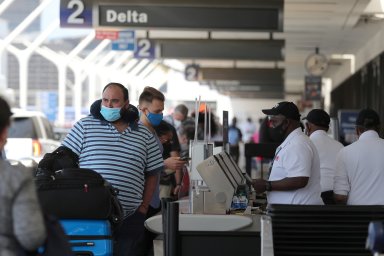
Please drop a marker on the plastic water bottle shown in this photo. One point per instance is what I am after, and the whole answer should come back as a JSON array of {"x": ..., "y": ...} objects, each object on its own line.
[
  {"x": 235, "y": 202},
  {"x": 243, "y": 201}
]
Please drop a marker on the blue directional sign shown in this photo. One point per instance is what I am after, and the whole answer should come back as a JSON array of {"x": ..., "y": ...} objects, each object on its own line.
[
  {"x": 76, "y": 13},
  {"x": 125, "y": 42},
  {"x": 145, "y": 49}
]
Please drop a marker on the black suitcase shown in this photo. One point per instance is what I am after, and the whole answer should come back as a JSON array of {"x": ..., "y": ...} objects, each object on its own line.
[{"x": 78, "y": 193}]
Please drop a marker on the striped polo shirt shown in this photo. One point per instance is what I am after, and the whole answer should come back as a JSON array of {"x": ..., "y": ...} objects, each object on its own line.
[{"x": 121, "y": 158}]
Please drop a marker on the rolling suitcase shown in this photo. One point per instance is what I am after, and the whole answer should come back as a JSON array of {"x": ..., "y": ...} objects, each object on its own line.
[{"x": 89, "y": 237}]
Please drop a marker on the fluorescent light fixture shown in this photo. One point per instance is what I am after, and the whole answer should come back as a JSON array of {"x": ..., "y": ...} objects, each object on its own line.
[{"x": 350, "y": 57}]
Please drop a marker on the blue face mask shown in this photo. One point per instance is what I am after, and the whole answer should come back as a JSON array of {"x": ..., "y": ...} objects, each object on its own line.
[
  {"x": 155, "y": 119},
  {"x": 110, "y": 114}
]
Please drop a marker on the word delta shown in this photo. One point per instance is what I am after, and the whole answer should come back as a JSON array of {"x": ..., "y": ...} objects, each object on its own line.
[{"x": 131, "y": 16}]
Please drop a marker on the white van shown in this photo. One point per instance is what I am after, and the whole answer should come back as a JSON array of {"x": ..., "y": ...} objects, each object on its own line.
[{"x": 30, "y": 136}]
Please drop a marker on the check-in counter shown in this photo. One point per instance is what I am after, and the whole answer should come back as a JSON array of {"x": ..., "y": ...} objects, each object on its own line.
[
  {"x": 205, "y": 229},
  {"x": 207, "y": 235}
]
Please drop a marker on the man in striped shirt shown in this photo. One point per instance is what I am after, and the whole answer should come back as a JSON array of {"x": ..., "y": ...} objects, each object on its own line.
[{"x": 125, "y": 153}]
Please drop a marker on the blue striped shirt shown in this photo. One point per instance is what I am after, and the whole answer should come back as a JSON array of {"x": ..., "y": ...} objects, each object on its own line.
[
  {"x": 155, "y": 201},
  {"x": 121, "y": 158}
]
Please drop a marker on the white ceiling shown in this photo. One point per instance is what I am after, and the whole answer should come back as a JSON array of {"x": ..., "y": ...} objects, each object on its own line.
[
  {"x": 329, "y": 25},
  {"x": 334, "y": 26}
]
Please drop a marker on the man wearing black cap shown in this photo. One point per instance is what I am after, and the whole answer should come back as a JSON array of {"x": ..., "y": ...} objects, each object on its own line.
[
  {"x": 295, "y": 170},
  {"x": 316, "y": 127},
  {"x": 359, "y": 176}
]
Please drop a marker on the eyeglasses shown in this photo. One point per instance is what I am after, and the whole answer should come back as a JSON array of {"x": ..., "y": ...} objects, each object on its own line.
[
  {"x": 274, "y": 121},
  {"x": 165, "y": 140}
]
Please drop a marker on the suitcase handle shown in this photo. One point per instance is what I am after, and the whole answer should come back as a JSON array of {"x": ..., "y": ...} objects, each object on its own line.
[{"x": 83, "y": 244}]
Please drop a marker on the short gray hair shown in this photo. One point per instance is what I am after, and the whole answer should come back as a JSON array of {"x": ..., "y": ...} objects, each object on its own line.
[{"x": 182, "y": 109}]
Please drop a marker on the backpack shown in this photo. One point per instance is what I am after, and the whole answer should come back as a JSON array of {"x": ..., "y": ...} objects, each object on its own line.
[{"x": 59, "y": 159}]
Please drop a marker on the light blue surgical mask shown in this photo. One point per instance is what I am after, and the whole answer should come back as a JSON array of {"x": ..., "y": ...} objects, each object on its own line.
[
  {"x": 176, "y": 123},
  {"x": 110, "y": 114},
  {"x": 155, "y": 119}
]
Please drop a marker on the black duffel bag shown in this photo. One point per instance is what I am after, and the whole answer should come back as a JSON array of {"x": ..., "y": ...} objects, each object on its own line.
[{"x": 78, "y": 193}]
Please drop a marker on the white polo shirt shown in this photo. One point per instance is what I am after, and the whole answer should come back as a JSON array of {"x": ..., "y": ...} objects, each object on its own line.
[
  {"x": 328, "y": 149},
  {"x": 360, "y": 171},
  {"x": 296, "y": 157}
]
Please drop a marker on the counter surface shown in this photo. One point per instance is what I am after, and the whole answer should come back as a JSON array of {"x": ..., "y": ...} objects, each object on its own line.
[{"x": 203, "y": 222}]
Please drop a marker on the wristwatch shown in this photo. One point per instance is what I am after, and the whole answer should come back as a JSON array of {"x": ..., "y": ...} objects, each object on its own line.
[{"x": 268, "y": 186}]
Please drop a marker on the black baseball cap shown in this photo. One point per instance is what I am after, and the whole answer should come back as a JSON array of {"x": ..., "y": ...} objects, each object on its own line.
[
  {"x": 285, "y": 108},
  {"x": 318, "y": 117},
  {"x": 368, "y": 118}
]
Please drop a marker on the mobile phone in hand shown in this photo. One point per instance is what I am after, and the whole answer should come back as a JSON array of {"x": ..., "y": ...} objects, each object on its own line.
[{"x": 185, "y": 158}]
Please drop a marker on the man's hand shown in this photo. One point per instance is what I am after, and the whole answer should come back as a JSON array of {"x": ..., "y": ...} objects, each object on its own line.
[
  {"x": 143, "y": 208},
  {"x": 259, "y": 185},
  {"x": 174, "y": 163},
  {"x": 286, "y": 184},
  {"x": 340, "y": 199},
  {"x": 176, "y": 190}
]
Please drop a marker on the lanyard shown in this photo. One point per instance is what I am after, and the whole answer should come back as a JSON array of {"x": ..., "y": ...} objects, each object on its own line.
[{"x": 273, "y": 160}]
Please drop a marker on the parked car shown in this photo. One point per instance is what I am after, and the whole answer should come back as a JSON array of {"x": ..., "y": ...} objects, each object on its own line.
[{"x": 30, "y": 136}]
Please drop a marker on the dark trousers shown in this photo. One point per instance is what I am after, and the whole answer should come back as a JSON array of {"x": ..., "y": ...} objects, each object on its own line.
[
  {"x": 145, "y": 245},
  {"x": 234, "y": 151},
  {"x": 128, "y": 234}
]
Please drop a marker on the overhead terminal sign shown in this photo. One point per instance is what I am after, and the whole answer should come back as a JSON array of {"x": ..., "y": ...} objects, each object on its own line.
[
  {"x": 251, "y": 18},
  {"x": 103, "y": 34},
  {"x": 125, "y": 42},
  {"x": 267, "y": 50},
  {"x": 191, "y": 72},
  {"x": 261, "y": 76},
  {"x": 76, "y": 13},
  {"x": 145, "y": 49}
]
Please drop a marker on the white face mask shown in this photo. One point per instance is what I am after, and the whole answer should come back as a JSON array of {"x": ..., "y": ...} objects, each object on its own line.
[{"x": 177, "y": 123}]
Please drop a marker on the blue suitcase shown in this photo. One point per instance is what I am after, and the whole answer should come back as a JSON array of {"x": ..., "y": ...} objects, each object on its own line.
[{"x": 89, "y": 237}]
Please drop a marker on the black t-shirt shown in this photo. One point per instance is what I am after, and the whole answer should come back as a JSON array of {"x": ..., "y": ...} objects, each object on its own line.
[{"x": 174, "y": 145}]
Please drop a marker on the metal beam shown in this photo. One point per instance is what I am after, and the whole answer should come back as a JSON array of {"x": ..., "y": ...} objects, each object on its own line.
[
  {"x": 241, "y": 88},
  {"x": 254, "y": 95}
]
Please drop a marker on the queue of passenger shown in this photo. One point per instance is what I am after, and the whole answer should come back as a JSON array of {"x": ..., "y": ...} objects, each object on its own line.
[{"x": 136, "y": 150}]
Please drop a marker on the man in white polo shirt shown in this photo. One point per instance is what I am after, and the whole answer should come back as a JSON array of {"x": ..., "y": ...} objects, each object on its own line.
[
  {"x": 316, "y": 127},
  {"x": 359, "y": 176},
  {"x": 295, "y": 172}
]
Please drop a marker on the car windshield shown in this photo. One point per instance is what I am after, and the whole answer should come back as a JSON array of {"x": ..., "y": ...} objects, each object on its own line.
[{"x": 22, "y": 127}]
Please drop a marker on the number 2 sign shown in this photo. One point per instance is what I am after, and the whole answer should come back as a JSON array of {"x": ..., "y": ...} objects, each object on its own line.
[
  {"x": 145, "y": 49},
  {"x": 191, "y": 72},
  {"x": 76, "y": 13}
]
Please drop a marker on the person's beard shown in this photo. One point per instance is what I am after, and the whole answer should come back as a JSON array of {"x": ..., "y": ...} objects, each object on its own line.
[{"x": 278, "y": 133}]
